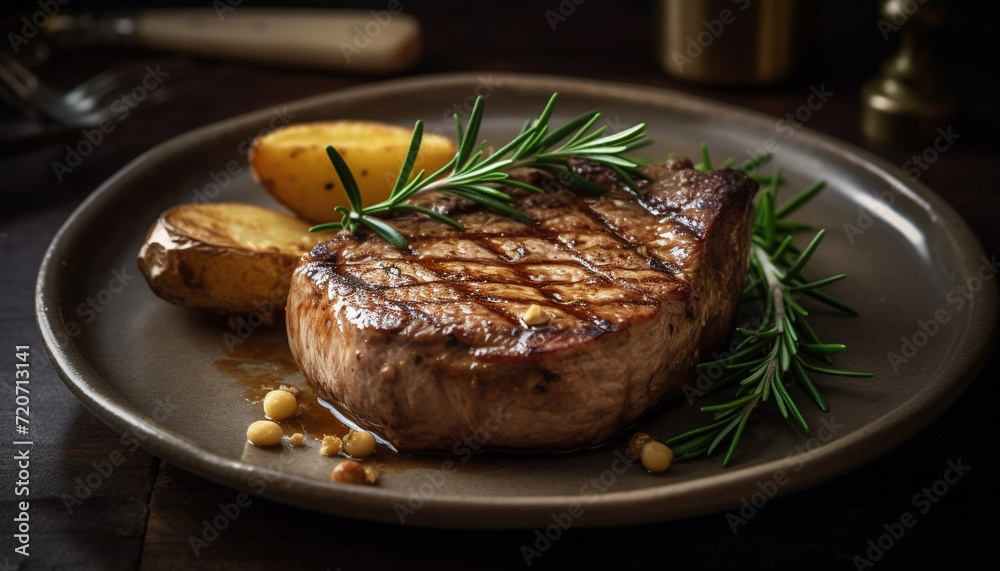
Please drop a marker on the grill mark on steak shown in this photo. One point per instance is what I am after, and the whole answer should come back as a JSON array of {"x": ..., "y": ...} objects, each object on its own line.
[
  {"x": 460, "y": 286},
  {"x": 579, "y": 259},
  {"x": 522, "y": 278},
  {"x": 582, "y": 310},
  {"x": 608, "y": 271},
  {"x": 349, "y": 281},
  {"x": 654, "y": 262},
  {"x": 618, "y": 234}
]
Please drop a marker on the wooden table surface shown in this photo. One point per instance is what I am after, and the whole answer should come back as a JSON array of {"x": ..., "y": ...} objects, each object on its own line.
[{"x": 142, "y": 514}]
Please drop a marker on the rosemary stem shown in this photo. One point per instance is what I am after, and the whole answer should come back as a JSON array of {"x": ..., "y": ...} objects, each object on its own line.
[
  {"x": 435, "y": 185},
  {"x": 774, "y": 285}
]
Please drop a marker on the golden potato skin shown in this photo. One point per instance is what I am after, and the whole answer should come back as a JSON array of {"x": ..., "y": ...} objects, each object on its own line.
[
  {"x": 292, "y": 164},
  {"x": 227, "y": 258}
]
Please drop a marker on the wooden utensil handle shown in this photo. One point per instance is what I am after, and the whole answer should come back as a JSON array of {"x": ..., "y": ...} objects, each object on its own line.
[{"x": 375, "y": 41}]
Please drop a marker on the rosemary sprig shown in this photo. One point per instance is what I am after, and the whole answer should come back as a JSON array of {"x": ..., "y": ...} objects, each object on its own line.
[
  {"x": 478, "y": 175},
  {"x": 771, "y": 357}
]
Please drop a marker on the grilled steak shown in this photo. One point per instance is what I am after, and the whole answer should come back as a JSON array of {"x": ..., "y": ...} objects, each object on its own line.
[{"x": 428, "y": 347}]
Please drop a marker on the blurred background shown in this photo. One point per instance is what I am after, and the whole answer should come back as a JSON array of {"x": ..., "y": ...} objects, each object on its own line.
[{"x": 841, "y": 45}]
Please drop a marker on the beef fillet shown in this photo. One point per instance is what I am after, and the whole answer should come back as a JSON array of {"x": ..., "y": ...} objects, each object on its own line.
[{"x": 431, "y": 347}]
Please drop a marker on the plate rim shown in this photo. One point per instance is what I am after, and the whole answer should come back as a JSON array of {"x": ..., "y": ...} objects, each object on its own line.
[{"x": 714, "y": 492}]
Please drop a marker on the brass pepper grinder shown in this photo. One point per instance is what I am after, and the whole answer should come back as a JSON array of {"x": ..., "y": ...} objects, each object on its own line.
[{"x": 912, "y": 98}]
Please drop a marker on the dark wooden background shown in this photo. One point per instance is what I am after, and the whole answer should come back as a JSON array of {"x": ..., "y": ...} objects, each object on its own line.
[{"x": 142, "y": 514}]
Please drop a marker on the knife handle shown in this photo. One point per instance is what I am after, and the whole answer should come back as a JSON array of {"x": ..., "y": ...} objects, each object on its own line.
[{"x": 373, "y": 41}]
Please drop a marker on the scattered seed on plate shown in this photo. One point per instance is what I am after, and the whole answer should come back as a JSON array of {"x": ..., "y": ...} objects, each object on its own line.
[
  {"x": 656, "y": 456},
  {"x": 636, "y": 442},
  {"x": 359, "y": 444},
  {"x": 264, "y": 433},
  {"x": 280, "y": 405},
  {"x": 353, "y": 472}
]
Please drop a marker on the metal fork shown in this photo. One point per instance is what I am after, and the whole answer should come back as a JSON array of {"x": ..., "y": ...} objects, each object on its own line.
[{"x": 87, "y": 104}]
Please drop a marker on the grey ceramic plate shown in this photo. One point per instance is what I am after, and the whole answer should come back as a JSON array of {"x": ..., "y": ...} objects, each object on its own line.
[{"x": 148, "y": 367}]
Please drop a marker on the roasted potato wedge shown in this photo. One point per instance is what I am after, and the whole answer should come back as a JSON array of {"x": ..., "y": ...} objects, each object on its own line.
[
  {"x": 227, "y": 258},
  {"x": 292, "y": 164}
]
